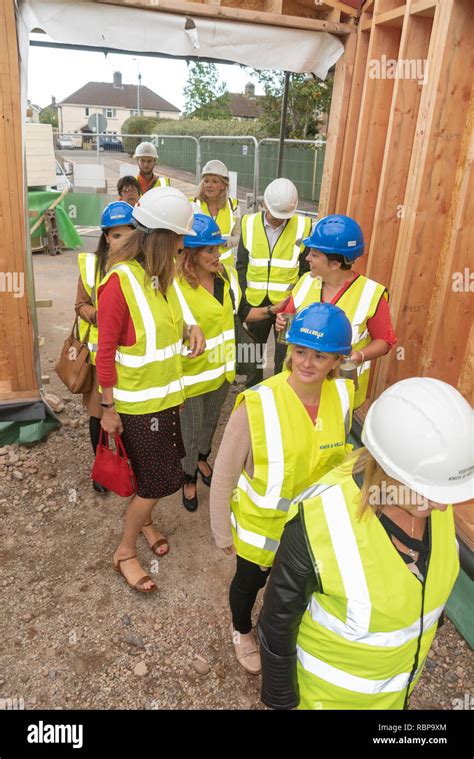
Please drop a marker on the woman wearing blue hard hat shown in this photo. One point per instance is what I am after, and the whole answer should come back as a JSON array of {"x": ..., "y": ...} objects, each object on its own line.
[
  {"x": 335, "y": 243},
  {"x": 368, "y": 558},
  {"x": 116, "y": 221},
  {"x": 282, "y": 435},
  {"x": 210, "y": 296}
]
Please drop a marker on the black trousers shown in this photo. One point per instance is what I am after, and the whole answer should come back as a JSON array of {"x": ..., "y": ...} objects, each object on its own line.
[
  {"x": 248, "y": 580},
  {"x": 261, "y": 331},
  {"x": 94, "y": 430}
]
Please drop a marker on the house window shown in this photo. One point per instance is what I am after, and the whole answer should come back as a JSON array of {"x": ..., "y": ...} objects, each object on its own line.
[
  {"x": 88, "y": 110},
  {"x": 134, "y": 112},
  {"x": 110, "y": 113}
]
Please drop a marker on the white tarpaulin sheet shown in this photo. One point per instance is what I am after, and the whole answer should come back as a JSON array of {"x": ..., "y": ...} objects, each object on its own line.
[{"x": 132, "y": 29}]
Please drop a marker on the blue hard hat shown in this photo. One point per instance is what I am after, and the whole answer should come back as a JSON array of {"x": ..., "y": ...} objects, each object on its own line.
[
  {"x": 322, "y": 327},
  {"x": 337, "y": 234},
  {"x": 207, "y": 233},
  {"x": 117, "y": 214}
]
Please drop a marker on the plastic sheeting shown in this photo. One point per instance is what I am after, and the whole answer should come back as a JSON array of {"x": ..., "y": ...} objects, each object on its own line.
[{"x": 132, "y": 29}]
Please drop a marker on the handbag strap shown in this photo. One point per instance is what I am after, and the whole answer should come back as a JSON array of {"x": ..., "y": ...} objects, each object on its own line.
[
  {"x": 75, "y": 331},
  {"x": 231, "y": 292},
  {"x": 119, "y": 446}
]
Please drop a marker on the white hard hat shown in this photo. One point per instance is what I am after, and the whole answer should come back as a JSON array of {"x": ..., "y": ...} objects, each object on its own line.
[
  {"x": 145, "y": 150},
  {"x": 420, "y": 431},
  {"x": 216, "y": 167},
  {"x": 281, "y": 198},
  {"x": 165, "y": 208}
]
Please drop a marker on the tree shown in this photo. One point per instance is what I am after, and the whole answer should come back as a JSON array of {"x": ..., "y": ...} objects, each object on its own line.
[
  {"x": 49, "y": 115},
  {"x": 205, "y": 96},
  {"x": 308, "y": 101}
]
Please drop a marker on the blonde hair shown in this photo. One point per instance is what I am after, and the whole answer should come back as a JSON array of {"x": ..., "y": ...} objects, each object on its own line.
[
  {"x": 156, "y": 251},
  {"x": 288, "y": 364},
  {"x": 362, "y": 461},
  {"x": 224, "y": 194}
]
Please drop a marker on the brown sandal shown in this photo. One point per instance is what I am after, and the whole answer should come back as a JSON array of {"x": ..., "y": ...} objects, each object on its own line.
[
  {"x": 139, "y": 583},
  {"x": 157, "y": 544}
]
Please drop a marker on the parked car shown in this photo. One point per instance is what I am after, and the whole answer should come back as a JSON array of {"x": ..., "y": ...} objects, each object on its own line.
[
  {"x": 65, "y": 142},
  {"x": 111, "y": 143},
  {"x": 62, "y": 182}
]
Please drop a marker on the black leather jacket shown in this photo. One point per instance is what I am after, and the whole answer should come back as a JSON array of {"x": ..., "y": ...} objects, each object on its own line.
[{"x": 292, "y": 581}]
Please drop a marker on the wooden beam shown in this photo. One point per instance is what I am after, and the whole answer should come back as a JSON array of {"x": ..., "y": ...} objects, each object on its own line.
[
  {"x": 351, "y": 130},
  {"x": 424, "y": 8},
  {"x": 450, "y": 312},
  {"x": 337, "y": 127},
  {"x": 391, "y": 18},
  {"x": 181, "y": 7},
  {"x": 389, "y": 209},
  {"x": 372, "y": 130},
  {"x": 16, "y": 332},
  {"x": 425, "y": 249}
]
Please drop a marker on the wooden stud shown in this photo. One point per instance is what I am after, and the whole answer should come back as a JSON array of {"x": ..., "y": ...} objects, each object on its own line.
[
  {"x": 185, "y": 7},
  {"x": 337, "y": 127}
]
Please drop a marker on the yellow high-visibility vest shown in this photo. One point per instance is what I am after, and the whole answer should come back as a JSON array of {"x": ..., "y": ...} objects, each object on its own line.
[
  {"x": 90, "y": 276},
  {"x": 225, "y": 220},
  {"x": 149, "y": 373},
  {"x": 289, "y": 452},
  {"x": 363, "y": 640},
  {"x": 359, "y": 303},
  {"x": 272, "y": 272},
  {"x": 208, "y": 371}
]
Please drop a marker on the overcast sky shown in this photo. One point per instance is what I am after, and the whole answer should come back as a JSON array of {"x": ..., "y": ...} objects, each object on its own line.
[{"x": 62, "y": 72}]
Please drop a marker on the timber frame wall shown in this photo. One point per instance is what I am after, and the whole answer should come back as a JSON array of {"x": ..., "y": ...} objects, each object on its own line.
[
  {"x": 399, "y": 159},
  {"x": 18, "y": 383}
]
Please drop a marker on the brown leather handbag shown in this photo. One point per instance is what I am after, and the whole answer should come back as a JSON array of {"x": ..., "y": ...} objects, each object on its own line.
[{"x": 74, "y": 366}]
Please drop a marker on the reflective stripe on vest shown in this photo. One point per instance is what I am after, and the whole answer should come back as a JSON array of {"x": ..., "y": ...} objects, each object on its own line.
[
  {"x": 149, "y": 373},
  {"x": 287, "y": 447},
  {"x": 350, "y": 682},
  {"x": 273, "y": 271},
  {"x": 373, "y": 620},
  {"x": 208, "y": 371},
  {"x": 90, "y": 279}
]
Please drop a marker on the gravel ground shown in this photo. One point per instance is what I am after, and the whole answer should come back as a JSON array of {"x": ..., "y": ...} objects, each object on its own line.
[{"x": 74, "y": 636}]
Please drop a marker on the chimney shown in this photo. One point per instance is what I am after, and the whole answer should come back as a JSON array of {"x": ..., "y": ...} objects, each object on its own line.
[
  {"x": 53, "y": 101},
  {"x": 250, "y": 91},
  {"x": 118, "y": 80}
]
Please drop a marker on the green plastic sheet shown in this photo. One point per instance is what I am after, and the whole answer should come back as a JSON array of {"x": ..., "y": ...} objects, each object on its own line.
[{"x": 39, "y": 200}]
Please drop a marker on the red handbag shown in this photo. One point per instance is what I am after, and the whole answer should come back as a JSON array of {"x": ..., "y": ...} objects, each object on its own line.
[{"x": 112, "y": 469}]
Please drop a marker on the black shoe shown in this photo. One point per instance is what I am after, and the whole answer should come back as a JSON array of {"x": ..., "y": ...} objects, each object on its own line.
[
  {"x": 99, "y": 488},
  {"x": 190, "y": 504},
  {"x": 206, "y": 478}
]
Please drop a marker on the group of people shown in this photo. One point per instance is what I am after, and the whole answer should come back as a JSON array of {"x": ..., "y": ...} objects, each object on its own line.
[{"x": 355, "y": 584}]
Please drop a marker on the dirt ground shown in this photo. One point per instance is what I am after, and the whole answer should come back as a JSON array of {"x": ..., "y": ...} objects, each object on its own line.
[{"x": 73, "y": 634}]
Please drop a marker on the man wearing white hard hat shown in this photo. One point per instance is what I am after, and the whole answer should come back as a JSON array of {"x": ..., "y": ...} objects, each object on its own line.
[
  {"x": 147, "y": 157},
  {"x": 271, "y": 258},
  {"x": 368, "y": 558},
  {"x": 212, "y": 198},
  {"x": 142, "y": 325}
]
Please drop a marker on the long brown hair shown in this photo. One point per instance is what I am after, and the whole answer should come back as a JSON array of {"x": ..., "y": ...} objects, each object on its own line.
[
  {"x": 156, "y": 252},
  {"x": 224, "y": 194},
  {"x": 102, "y": 253},
  {"x": 186, "y": 266}
]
